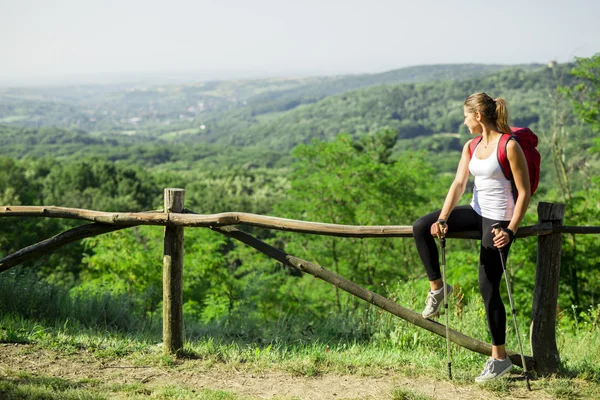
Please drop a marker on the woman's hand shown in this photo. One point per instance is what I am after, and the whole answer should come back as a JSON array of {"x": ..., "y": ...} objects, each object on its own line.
[
  {"x": 501, "y": 237},
  {"x": 439, "y": 228}
]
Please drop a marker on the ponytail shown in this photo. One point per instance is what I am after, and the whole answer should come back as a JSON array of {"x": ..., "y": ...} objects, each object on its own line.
[{"x": 502, "y": 116}]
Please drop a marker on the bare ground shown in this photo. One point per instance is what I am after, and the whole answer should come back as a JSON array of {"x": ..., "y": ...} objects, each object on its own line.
[{"x": 192, "y": 374}]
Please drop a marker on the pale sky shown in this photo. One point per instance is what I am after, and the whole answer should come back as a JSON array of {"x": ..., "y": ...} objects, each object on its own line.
[{"x": 62, "y": 39}]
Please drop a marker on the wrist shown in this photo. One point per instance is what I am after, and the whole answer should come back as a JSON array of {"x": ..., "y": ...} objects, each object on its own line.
[{"x": 511, "y": 233}]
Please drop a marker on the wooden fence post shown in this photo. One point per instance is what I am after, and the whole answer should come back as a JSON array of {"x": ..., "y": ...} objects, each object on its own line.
[
  {"x": 545, "y": 294},
  {"x": 173, "y": 276}
]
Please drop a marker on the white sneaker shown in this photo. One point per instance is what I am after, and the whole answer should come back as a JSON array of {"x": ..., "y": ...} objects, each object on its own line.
[
  {"x": 493, "y": 369},
  {"x": 434, "y": 302}
]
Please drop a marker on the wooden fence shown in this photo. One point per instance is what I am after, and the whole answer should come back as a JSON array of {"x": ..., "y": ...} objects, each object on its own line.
[{"x": 174, "y": 217}]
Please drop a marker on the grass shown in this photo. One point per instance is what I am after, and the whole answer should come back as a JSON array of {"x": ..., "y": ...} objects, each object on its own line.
[
  {"x": 35, "y": 387},
  {"x": 565, "y": 390},
  {"x": 28, "y": 386},
  {"x": 498, "y": 386},
  {"x": 317, "y": 359},
  {"x": 403, "y": 394},
  {"x": 333, "y": 346}
]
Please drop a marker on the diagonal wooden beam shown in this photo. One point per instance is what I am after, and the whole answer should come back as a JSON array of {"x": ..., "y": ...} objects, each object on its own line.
[
  {"x": 62, "y": 239},
  {"x": 367, "y": 295},
  {"x": 52, "y": 244}
]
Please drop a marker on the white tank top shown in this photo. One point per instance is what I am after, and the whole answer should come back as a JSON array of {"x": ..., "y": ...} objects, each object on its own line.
[{"x": 492, "y": 193}]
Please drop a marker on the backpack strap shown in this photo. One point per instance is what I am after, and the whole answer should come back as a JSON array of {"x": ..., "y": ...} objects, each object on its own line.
[
  {"x": 503, "y": 155},
  {"x": 474, "y": 144}
]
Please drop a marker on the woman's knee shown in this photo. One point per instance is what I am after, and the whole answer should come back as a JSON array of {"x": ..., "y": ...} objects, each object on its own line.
[
  {"x": 422, "y": 226},
  {"x": 485, "y": 289},
  {"x": 489, "y": 288}
]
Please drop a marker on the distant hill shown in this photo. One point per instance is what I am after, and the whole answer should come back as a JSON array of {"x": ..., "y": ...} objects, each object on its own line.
[
  {"x": 287, "y": 99},
  {"x": 411, "y": 109},
  {"x": 264, "y": 119},
  {"x": 162, "y": 109}
]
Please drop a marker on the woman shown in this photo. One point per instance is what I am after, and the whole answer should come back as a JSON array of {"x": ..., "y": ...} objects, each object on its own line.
[{"x": 492, "y": 202}]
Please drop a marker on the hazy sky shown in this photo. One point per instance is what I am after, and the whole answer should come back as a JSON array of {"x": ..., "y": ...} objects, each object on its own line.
[{"x": 70, "y": 38}]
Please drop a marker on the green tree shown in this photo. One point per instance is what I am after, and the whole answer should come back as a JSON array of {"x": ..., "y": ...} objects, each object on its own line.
[
  {"x": 356, "y": 183},
  {"x": 584, "y": 207},
  {"x": 585, "y": 95},
  {"x": 130, "y": 261}
]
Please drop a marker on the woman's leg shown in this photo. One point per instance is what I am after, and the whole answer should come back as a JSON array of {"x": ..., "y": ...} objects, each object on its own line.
[
  {"x": 462, "y": 218},
  {"x": 490, "y": 278}
]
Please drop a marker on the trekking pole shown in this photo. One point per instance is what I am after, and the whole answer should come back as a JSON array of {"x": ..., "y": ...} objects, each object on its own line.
[
  {"x": 496, "y": 227},
  {"x": 443, "y": 247}
]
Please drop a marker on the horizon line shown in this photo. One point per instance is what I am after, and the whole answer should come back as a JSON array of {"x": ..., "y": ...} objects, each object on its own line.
[{"x": 129, "y": 77}]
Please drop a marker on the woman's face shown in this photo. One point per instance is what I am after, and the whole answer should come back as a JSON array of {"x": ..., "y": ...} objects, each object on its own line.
[{"x": 472, "y": 122}]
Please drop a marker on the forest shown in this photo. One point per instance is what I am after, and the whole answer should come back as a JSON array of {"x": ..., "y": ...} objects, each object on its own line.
[{"x": 359, "y": 150}]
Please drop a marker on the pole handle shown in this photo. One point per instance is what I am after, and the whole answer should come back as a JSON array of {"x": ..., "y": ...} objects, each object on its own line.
[
  {"x": 442, "y": 235},
  {"x": 496, "y": 228}
]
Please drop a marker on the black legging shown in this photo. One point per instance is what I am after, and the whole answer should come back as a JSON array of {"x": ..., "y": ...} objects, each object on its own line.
[{"x": 464, "y": 218}]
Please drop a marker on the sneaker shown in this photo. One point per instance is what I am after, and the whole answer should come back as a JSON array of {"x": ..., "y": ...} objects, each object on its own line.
[
  {"x": 434, "y": 302},
  {"x": 493, "y": 369}
]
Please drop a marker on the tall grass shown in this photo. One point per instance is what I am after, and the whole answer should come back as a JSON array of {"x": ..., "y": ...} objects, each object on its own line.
[
  {"x": 24, "y": 294},
  {"x": 363, "y": 340}
]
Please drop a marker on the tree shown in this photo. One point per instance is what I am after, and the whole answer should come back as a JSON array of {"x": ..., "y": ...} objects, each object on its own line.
[
  {"x": 355, "y": 182},
  {"x": 585, "y": 95},
  {"x": 583, "y": 206}
]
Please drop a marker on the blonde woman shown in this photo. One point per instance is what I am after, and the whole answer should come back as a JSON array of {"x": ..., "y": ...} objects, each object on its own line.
[{"x": 493, "y": 201}]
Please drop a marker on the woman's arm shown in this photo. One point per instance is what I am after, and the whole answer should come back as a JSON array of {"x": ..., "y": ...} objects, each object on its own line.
[
  {"x": 456, "y": 190},
  {"x": 518, "y": 166}
]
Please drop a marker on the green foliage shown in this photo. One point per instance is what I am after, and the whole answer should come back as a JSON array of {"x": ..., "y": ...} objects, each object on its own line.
[
  {"x": 23, "y": 293},
  {"x": 99, "y": 185},
  {"x": 411, "y": 110},
  {"x": 393, "y": 164},
  {"x": 580, "y": 253},
  {"x": 126, "y": 262},
  {"x": 254, "y": 190},
  {"x": 129, "y": 262},
  {"x": 355, "y": 183},
  {"x": 94, "y": 184},
  {"x": 585, "y": 95},
  {"x": 167, "y": 124}
]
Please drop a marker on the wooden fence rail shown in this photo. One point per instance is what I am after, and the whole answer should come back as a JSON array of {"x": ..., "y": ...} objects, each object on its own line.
[
  {"x": 174, "y": 217},
  {"x": 184, "y": 219}
]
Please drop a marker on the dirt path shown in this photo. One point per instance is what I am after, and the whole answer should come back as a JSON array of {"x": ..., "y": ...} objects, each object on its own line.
[{"x": 192, "y": 374}]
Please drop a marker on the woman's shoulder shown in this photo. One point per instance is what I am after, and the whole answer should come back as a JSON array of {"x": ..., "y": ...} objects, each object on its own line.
[
  {"x": 514, "y": 149},
  {"x": 467, "y": 145},
  {"x": 512, "y": 144}
]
